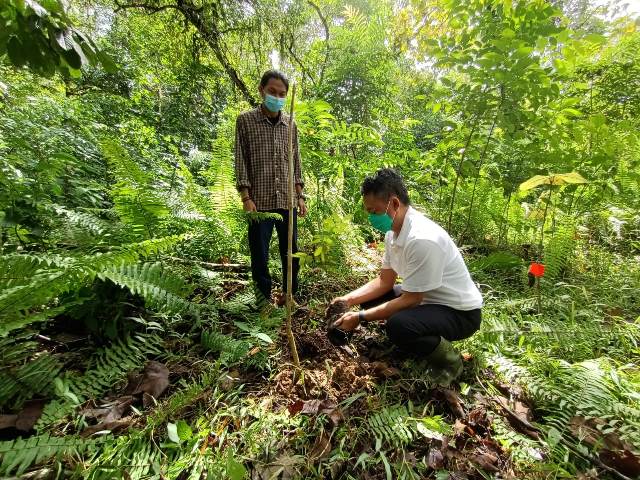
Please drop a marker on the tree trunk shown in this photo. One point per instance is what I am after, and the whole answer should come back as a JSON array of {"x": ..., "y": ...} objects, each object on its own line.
[{"x": 212, "y": 36}]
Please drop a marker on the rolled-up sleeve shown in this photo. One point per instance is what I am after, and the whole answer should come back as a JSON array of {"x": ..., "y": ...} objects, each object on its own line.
[
  {"x": 296, "y": 153},
  {"x": 241, "y": 157}
]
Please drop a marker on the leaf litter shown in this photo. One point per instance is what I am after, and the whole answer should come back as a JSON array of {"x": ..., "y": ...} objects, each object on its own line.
[
  {"x": 336, "y": 375},
  {"x": 341, "y": 380},
  {"x": 142, "y": 389}
]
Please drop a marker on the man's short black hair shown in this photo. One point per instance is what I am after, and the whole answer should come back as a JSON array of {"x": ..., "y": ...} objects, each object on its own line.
[
  {"x": 384, "y": 183},
  {"x": 269, "y": 74}
]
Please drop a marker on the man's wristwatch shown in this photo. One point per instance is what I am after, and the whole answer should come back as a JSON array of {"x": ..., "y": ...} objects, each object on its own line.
[
  {"x": 301, "y": 196},
  {"x": 245, "y": 199},
  {"x": 361, "y": 318}
]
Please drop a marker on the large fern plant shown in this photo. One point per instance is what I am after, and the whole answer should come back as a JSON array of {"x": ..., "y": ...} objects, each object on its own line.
[{"x": 32, "y": 285}]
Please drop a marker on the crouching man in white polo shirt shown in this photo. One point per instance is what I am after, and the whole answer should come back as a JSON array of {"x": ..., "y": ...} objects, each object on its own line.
[{"x": 437, "y": 301}]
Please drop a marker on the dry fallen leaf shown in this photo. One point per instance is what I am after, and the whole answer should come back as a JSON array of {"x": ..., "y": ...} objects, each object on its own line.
[
  {"x": 624, "y": 462},
  {"x": 283, "y": 468},
  {"x": 382, "y": 370},
  {"x": 522, "y": 411},
  {"x": 454, "y": 401},
  {"x": 111, "y": 426},
  {"x": 295, "y": 407},
  {"x": 109, "y": 417},
  {"x": 486, "y": 461},
  {"x": 311, "y": 407},
  {"x": 153, "y": 382},
  {"x": 435, "y": 459},
  {"x": 8, "y": 421},
  {"x": 615, "y": 452},
  {"x": 459, "y": 427},
  {"x": 317, "y": 407},
  {"x": 509, "y": 390},
  {"x": 24, "y": 420},
  {"x": 321, "y": 448},
  {"x": 457, "y": 476},
  {"x": 587, "y": 430},
  {"x": 519, "y": 416}
]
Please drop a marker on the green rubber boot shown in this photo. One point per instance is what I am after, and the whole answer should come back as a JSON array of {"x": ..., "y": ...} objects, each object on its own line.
[{"x": 444, "y": 363}]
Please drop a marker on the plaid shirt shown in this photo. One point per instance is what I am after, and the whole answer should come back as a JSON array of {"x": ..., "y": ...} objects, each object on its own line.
[{"x": 262, "y": 158}]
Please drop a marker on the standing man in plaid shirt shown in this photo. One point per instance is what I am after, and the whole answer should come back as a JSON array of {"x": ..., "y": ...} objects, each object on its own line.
[{"x": 262, "y": 173}]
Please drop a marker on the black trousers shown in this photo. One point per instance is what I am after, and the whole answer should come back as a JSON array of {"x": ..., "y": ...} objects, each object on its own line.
[
  {"x": 417, "y": 330},
  {"x": 259, "y": 239}
]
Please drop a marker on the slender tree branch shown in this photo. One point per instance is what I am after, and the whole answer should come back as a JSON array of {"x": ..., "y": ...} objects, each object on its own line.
[
  {"x": 208, "y": 29},
  {"x": 304, "y": 69},
  {"x": 325, "y": 24},
  {"x": 144, "y": 6}
]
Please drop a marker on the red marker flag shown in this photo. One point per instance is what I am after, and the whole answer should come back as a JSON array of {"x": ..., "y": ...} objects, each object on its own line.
[{"x": 536, "y": 269}]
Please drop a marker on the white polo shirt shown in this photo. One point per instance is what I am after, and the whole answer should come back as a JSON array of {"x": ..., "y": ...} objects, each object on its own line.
[{"x": 427, "y": 260}]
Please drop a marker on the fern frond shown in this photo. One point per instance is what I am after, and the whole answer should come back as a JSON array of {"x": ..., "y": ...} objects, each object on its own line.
[
  {"x": 17, "y": 269},
  {"x": 393, "y": 425},
  {"x": 564, "y": 390},
  {"x": 87, "y": 221},
  {"x": 26, "y": 303},
  {"x": 135, "y": 196},
  {"x": 121, "y": 164},
  {"x": 139, "y": 207},
  {"x": 133, "y": 252},
  {"x": 498, "y": 327},
  {"x": 133, "y": 455},
  {"x": 17, "y": 303},
  {"x": 108, "y": 366},
  {"x": 242, "y": 302},
  {"x": 161, "y": 290},
  {"x": 220, "y": 173},
  {"x": 261, "y": 216},
  {"x": 559, "y": 251},
  {"x": 21, "y": 375},
  {"x": 230, "y": 349},
  {"x": 18, "y": 455}
]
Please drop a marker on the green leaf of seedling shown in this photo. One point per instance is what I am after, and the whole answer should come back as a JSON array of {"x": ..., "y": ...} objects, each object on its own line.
[
  {"x": 262, "y": 336},
  {"x": 184, "y": 430},
  {"x": 235, "y": 470},
  {"x": 243, "y": 326},
  {"x": 362, "y": 460},
  {"x": 387, "y": 467},
  {"x": 172, "y": 431}
]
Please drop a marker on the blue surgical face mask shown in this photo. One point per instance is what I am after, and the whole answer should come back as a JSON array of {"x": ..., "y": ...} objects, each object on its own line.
[
  {"x": 273, "y": 104},
  {"x": 382, "y": 221}
]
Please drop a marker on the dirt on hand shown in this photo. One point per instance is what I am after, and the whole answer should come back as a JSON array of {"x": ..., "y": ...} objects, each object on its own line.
[{"x": 334, "y": 311}]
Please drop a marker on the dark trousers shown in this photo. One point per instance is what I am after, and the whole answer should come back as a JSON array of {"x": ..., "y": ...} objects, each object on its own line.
[
  {"x": 259, "y": 239},
  {"x": 417, "y": 330}
]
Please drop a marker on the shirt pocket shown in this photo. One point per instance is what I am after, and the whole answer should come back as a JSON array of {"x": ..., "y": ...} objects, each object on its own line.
[{"x": 282, "y": 142}]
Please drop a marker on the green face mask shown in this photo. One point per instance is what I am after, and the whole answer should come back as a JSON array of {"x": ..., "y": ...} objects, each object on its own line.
[{"x": 381, "y": 221}]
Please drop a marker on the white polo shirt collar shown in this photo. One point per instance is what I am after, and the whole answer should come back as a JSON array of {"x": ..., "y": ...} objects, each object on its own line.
[{"x": 401, "y": 239}]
